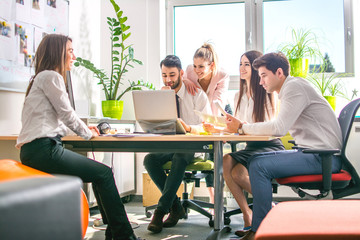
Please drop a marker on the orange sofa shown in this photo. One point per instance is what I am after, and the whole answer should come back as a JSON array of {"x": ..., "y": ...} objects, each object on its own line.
[{"x": 310, "y": 220}]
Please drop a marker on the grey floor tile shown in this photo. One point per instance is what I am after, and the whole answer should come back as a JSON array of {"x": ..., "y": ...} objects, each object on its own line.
[{"x": 194, "y": 228}]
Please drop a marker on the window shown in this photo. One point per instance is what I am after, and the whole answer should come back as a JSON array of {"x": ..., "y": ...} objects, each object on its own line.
[
  {"x": 222, "y": 25},
  {"x": 235, "y": 26},
  {"x": 322, "y": 17}
]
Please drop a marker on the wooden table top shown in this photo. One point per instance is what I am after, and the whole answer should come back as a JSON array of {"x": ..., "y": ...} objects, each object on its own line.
[{"x": 142, "y": 137}]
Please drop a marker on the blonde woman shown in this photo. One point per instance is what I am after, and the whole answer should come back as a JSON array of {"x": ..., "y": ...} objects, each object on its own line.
[{"x": 206, "y": 74}]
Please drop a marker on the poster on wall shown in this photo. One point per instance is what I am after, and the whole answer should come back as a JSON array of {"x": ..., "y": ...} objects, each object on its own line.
[
  {"x": 37, "y": 13},
  {"x": 21, "y": 31},
  {"x": 38, "y": 35},
  {"x": 22, "y": 10},
  {"x": 24, "y": 44},
  {"x": 6, "y": 9},
  {"x": 6, "y": 40},
  {"x": 55, "y": 12}
]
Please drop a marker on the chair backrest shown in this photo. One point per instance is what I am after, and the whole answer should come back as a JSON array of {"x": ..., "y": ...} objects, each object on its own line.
[{"x": 350, "y": 153}]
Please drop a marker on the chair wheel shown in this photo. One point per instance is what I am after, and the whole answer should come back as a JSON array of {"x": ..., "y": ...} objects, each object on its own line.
[
  {"x": 227, "y": 221},
  {"x": 126, "y": 199},
  {"x": 148, "y": 214},
  {"x": 211, "y": 223},
  {"x": 227, "y": 229}
]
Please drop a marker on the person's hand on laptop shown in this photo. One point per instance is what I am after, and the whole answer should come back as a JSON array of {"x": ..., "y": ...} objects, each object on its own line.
[{"x": 186, "y": 127}]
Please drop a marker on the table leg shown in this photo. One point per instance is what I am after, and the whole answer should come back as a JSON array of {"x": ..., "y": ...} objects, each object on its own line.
[{"x": 218, "y": 187}]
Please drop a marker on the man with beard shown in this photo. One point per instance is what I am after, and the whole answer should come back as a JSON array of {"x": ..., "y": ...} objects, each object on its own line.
[{"x": 172, "y": 75}]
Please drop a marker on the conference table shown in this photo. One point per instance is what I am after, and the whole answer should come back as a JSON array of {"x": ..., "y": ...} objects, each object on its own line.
[{"x": 170, "y": 143}]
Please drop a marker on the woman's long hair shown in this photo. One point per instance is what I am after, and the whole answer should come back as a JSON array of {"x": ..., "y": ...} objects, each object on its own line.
[
  {"x": 50, "y": 55},
  {"x": 257, "y": 92}
]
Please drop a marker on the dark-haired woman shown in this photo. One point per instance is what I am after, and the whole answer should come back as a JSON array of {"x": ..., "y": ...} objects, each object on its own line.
[
  {"x": 252, "y": 104},
  {"x": 45, "y": 117}
]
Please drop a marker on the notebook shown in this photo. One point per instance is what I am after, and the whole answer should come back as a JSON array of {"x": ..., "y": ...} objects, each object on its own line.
[{"x": 156, "y": 112}]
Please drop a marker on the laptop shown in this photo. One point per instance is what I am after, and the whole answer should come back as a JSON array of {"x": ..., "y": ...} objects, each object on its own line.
[{"x": 155, "y": 111}]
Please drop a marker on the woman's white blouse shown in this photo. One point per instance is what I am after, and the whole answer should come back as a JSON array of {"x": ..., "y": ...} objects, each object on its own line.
[
  {"x": 246, "y": 108},
  {"x": 47, "y": 111}
]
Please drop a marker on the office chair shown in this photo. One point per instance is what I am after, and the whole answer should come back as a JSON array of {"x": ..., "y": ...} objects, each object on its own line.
[
  {"x": 194, "y": 172},
  {"x": 334, "y": 185},
  {"x": 330, "y": 185}
]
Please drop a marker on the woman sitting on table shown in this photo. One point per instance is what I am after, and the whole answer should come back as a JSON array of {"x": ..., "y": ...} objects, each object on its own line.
[
  {"x": 46, "y": 114},
  {"x": 253, "y": 104}
]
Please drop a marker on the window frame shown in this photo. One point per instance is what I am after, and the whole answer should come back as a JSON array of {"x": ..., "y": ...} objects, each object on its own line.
[{"x": 254, "y": 28}]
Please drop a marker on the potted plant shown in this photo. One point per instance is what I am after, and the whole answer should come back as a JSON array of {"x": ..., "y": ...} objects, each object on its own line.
[
  {"x": 122, "y": 57},
  {"x": 329, "y": 85},
  {"x": 303, "y": 47}
]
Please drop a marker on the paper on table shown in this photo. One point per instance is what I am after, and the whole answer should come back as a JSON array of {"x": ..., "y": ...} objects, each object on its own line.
[
  {"x": 217, "y": 104},
  {"x": 216, "y": 120},
  {"x": 125, "y": 135}
]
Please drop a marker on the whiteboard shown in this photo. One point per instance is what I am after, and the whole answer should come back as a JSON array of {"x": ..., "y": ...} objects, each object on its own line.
[{"x": 23, "y": 23}]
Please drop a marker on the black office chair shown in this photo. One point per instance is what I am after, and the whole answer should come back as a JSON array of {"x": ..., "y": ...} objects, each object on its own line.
[
  {"x": 334, "y": 185},
  {"x": 194, "y": 172},
  {"x": 330, "y": 186}
]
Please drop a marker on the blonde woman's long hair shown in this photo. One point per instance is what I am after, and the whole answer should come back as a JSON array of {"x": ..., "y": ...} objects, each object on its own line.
[
  {"x": 207, "y": 52},
  {"x": 50, "y": 55}
]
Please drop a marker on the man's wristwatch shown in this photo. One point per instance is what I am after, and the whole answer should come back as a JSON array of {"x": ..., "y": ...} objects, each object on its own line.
[{"x": 240, "y": 130}]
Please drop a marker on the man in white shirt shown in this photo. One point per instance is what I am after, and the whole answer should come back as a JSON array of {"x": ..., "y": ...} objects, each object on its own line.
[
  {"x": 309, "y": 119},
  {"x": 172, "y": 75}
]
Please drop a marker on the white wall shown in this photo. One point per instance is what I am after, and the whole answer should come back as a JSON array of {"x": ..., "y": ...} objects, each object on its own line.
[
  {"x": 10, "y": 124},
  {"x": 144, "y": 21},
  {"x": 84, "y": 28}
]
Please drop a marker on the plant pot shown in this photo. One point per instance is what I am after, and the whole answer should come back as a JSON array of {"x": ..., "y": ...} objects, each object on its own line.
[
  {"x": 331, "y": 100},
  {"x": 112, "y": 108},
  {"x": 299, "y": 67}
]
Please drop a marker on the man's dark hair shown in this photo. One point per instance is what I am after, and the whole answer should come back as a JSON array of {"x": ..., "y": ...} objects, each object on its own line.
[
  {"x": 273, "y": 61},
  {"x": 171, "y": 61}
]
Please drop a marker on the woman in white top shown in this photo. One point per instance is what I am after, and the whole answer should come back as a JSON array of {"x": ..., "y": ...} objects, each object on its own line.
[
  {"x": 46, "y": 115},
  {"x": 252, "y": 104}
]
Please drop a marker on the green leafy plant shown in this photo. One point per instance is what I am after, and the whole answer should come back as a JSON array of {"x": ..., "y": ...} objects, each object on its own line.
[
  {"x": 328, "y": 84},
  {"x": 353, "y": 94},
  {"x": 122, "y": 57},
  {"x": 303, "y": 45},
  {"x": 300, "y": 50}
]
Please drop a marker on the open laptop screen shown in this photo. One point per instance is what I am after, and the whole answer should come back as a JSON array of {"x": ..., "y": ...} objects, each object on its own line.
[
  {"x": 158, "y": 105},
  {"x": 156, "y": 111}
]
